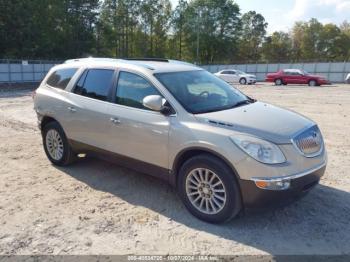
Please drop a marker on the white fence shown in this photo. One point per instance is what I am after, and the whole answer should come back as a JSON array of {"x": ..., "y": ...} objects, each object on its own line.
[
  {"x": 24, "y": 71},
  {"x": 335, "y": 72}
]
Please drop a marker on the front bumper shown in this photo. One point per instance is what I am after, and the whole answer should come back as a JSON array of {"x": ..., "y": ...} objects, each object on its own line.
[
  {"x": 254, "y": 197},
  {"x": 324, "y": 82}
]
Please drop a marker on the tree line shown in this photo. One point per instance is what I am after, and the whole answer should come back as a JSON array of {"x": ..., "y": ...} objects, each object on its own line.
[{"x": 201, "y": 31}]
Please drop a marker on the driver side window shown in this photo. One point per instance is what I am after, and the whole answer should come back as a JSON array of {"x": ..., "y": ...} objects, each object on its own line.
[{"x": 132, "y": 89}]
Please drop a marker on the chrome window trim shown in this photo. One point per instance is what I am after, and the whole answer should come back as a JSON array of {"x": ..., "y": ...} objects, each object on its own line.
[{"x": 149, "y": 80}]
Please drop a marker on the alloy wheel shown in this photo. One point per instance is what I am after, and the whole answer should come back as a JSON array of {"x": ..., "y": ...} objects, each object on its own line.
[
  {"x": 54, "y": 144},
  {"x": 206, "y": 191}
]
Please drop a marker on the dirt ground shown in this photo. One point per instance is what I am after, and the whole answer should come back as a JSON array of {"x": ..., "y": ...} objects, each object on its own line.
[{"x": 94, "y": 207}]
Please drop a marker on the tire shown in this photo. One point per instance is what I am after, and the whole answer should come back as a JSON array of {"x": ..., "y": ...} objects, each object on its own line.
[
  {"x": 243, "y": 81},
  {"x": 227, "y": 202},
  {"x": 312, "y": 83},
  {"x": 278, "y": 82},
  {"x": 54, "y": 137}
]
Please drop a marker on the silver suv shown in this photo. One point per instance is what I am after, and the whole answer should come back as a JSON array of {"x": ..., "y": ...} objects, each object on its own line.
[{"x": 221, "y": 149}]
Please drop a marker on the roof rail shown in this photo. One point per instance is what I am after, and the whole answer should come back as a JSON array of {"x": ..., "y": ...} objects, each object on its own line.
[
  {"x": 98, "y": 59},
  {"x": 92, "y": 59},
  {"x": 181, "y": 62},
  {"x": 135, "y": 61},
  {"x": 148, "y": 59}
]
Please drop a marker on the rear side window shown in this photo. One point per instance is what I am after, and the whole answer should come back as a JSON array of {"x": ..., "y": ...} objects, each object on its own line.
[
  {"x": 95, "y": 83},
  {"x": 61, "y": 78},
  {"x": 132, "y": 89}
]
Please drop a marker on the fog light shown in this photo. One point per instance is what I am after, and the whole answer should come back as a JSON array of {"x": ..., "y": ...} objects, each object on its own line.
[{"x": 273, "y": 184}]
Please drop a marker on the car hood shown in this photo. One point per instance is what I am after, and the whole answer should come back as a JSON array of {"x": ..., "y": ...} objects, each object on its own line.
[{"x": 260, "y": 119}]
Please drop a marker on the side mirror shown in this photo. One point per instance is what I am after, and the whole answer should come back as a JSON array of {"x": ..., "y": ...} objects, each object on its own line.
[{"x": 154, "y": 102}]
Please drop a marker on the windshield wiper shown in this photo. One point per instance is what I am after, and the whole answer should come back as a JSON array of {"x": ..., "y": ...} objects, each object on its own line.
[
  {"x": 243, "y": 102},
  {"x": 240, "y": 103},
  {"x": 209, "y": 111}
]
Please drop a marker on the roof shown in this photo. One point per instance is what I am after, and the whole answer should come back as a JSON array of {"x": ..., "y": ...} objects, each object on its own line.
[{"x": 154, "y": 65}]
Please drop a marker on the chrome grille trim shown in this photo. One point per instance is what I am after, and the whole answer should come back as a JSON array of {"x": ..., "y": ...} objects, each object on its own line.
[{"x": 309, "y": 142}]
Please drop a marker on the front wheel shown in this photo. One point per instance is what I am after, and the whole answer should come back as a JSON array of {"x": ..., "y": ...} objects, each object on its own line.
[
  {"x": 243, "y": 81},
  {"x": 56, "y": 145},
  {"x": 209, "y": 189},
  {"x": 312, "y": 83}
]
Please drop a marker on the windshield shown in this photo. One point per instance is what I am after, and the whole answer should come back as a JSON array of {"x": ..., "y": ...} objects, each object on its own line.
[
  {"x": 200, "y": 91},
  {"x": 240, "y": 72}
]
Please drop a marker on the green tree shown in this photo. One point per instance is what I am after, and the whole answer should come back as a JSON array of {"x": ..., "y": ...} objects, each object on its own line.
[
  {"x": 330, "y": 39},
  {"x": 211, "y": 28},
  {"x": 313, "y": 41},
  {"x": 277, "y": 47},
  {"x": 155, "y": 22},
  {"x": 297, "y": 35},
  {"x": 117, "y": 27},
  {"x": 80, "y": 18},
  {"x": 178, "y": 21},
  {"x": 46, "y": 28},
  {"x": 345, "y": 41},
  {"x": 253, "y": 34}
]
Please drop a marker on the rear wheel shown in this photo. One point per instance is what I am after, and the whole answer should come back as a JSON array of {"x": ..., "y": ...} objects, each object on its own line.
[
  {"x": 243, "y": 81},
  {"x": 209, "y": 189},
  {"x": 312, "y": 83},
  {"x": 56, "y": 145},
  {"x": 278, "y": 82}
]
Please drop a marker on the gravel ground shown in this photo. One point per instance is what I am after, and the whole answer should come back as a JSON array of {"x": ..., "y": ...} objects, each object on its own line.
[{"x": 94, "y": 207}]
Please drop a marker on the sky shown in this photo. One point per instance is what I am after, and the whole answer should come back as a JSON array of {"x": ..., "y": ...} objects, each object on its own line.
[{"x": 282, "y": 14}]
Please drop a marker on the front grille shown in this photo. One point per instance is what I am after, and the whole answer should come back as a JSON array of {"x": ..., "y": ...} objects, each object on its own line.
[{"x": 309, "y": 142}]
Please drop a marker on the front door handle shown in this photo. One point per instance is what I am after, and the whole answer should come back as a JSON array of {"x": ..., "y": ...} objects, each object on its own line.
[
  {"x": 72, "y": 109},
  {"x": 115, "y": 121}
]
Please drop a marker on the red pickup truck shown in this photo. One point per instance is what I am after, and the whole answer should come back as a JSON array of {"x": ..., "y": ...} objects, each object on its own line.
[{"x": 296, "y": 76}]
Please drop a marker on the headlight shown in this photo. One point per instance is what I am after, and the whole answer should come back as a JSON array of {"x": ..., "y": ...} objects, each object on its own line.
[{"x": 261, "y": 150}]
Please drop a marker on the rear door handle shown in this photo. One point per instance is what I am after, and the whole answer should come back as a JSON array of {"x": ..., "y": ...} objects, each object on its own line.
[
  {"x": 72, "y": 109},
  {"x": 115, "y": 120}
]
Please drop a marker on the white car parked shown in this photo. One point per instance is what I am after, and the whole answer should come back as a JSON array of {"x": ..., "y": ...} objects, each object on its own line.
[
  {"x": 347, "y": 79},
  {"x": 236, "y": 76}
]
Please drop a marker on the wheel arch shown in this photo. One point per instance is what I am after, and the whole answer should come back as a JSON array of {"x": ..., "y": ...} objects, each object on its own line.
[
  {"x": 188, "y": 153},
  {"x": 47, "y": 119}
]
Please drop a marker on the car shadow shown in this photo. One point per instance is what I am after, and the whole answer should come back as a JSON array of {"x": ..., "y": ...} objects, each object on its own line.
[{"x": 316, "y": 224}]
